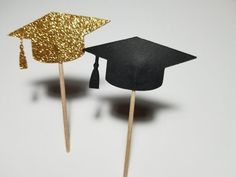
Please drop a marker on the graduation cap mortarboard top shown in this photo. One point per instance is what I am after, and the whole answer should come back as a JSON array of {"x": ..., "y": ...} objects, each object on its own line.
[
  {"x": 57, "y": 38},
  {"x": 134, "y": 64}
]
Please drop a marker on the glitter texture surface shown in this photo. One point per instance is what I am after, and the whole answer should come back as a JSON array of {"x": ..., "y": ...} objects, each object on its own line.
[{"x": 58, "y": 37}]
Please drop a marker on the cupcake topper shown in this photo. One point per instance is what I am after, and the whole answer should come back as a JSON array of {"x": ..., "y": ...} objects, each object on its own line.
[
  {"x": 57, "y": 38},
  {"x": 134, "y": 64}
]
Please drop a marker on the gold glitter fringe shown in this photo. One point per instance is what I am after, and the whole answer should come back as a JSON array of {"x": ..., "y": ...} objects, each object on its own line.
[{"x": 22, "y": 58}]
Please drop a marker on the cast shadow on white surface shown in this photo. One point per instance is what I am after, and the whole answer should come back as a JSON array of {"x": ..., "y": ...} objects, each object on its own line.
[
  {"x": 50, "y": 87},
  {"x": 145, "y": 110},
  {"x": 75, "y": 88}
]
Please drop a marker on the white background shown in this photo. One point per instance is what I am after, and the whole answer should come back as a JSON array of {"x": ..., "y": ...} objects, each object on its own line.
[{"x": 192, "y": 132}]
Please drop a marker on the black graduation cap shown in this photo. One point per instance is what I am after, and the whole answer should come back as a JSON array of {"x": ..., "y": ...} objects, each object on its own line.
[{"x": 135, "y": 63}]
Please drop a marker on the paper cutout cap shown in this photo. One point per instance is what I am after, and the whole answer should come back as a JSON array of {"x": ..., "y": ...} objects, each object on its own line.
[
  {"x": 135, "y": 63},
  {"x": 57, "y": 37}
]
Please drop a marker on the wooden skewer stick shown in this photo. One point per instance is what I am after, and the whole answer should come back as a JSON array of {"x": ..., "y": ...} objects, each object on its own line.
[
  {"x": 129, "y": 135},
  {"x": 64, "y": 107}
]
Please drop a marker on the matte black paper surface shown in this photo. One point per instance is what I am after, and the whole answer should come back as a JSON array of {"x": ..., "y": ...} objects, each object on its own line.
[{"x": 137, "y": 64}]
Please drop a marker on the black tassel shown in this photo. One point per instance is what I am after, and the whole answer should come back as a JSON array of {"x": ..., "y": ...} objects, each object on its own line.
[{"x": 94, "y": 79}]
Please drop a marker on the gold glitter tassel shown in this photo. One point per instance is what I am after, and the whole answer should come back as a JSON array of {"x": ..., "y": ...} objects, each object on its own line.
[{"x": 22, "y": 58}]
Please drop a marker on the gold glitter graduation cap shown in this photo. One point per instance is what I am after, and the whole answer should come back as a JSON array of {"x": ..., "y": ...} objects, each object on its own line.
[{"x": 57, "y": 37}]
